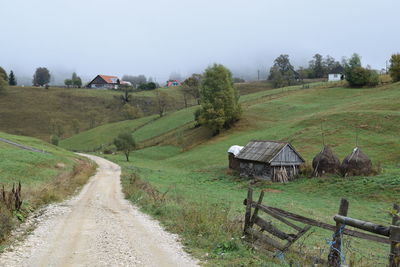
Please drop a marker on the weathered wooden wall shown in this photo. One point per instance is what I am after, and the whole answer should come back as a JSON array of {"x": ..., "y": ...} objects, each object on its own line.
[{"x": 286, "y": 157}]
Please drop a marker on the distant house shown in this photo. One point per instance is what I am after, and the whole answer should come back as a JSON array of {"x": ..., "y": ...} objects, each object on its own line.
[
  {"x": 172, "y": 83},
  {"x": 105, "y": 82},
  {"x": 337, "y": 74},
  {"x": 269, "y": 160}
]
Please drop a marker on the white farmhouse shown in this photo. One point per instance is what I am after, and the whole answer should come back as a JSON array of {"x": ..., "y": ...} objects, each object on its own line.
[{"x": 337, "y": 74}]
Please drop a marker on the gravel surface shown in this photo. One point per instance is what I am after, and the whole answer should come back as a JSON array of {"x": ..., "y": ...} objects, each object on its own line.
[{"x": 98, "y": 227}]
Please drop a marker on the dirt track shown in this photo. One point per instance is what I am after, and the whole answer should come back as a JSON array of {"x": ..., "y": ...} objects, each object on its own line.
[{"x": 98, "y": 227}]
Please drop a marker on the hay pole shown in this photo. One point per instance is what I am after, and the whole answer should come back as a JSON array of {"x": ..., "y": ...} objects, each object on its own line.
[{"x": 357, "y": 136}]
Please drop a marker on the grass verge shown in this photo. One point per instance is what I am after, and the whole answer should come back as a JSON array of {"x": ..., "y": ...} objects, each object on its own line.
[{"x": 45, "y": 178}]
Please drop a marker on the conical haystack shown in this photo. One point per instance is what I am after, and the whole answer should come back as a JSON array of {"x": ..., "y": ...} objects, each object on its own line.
[
  {"x": 355, "y": 164},
  {"x": 326, "y": 162}
]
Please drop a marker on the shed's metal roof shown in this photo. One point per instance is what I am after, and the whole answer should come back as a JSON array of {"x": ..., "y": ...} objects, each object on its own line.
[{"x": 262, "y": 151}]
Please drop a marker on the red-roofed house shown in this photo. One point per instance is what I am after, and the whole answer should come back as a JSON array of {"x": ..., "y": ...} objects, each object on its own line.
[
  {"x": 171, "y": 83},
  {"x": 105, "y": 82}
]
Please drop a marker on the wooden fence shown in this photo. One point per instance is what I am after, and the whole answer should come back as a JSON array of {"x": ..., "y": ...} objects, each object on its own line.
[{"x": 382, "y": 234}]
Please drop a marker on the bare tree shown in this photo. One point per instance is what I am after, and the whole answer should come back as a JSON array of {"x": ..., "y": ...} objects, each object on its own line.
[{"x": 161, "y": 101}]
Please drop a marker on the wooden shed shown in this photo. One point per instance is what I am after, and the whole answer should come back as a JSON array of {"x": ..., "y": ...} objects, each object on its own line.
[
  {"x": 234, "y": 163},
  {"x": 269, "y": 160}
]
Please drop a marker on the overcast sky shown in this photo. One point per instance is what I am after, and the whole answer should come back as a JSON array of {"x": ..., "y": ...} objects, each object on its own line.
[{"x": 157, "y": 37}]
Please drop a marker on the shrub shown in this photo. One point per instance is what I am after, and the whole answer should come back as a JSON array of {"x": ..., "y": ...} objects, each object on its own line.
[
  {"x": 54, "y": 139},
  {"x": 373, "y": 79},
  {"x": 358, "y": 76},
  {"x": 130, "y": 112}
]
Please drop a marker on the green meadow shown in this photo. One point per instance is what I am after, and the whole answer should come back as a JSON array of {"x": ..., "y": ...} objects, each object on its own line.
[
  {"x": 192, "y": 192},
  {"x": 307, "y": 117}
]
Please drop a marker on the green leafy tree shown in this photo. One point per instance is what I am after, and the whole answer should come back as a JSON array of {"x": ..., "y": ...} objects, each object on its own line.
[
  {"x": 41, "y": 77},
  {"x": 191, "y": 87},
  {"x": 68, "y": 83},
  {"x": 12, "y": 81},
  {"x": 147, "y": 86},
  {"x": 3, "y": 85},
  {"x": 394, "y": 69},
  {"x": 76, "y": 80},
  {"x": 57, "y": 127},
  {"x": 317, "y": 66},
  {"x": 330, "y": 64},
  {"x": 358, "y": 76},
  {"x": 282, "y": 70},
  {"x": 3, "y": 74},
  {"x": 220, "y": 106},
  {"x": 125, "y": 143},
  {"x": 276, "y": 77}
]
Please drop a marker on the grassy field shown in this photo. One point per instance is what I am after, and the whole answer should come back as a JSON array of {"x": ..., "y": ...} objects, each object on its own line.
[
  {"x": 45, "y": 177},
  {"x": 199, "y": 177}
]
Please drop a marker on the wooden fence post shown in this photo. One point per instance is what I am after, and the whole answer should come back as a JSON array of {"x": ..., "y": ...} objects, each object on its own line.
[
  {"x": 334, "y": 259},
  {"x": 255, "y": 212},
  {"x": 247, "y": 216},
  {"x": 394, "y": 257}
]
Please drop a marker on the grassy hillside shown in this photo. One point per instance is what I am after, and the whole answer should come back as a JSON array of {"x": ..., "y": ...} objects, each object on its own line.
[
  {"x": 199, "y": 179},
  {"x": 37, "y": 112},
  {"x": 103, "y": 136},
  {"x": 45, "y": 177},
  {"x": 142, "y": 129}
]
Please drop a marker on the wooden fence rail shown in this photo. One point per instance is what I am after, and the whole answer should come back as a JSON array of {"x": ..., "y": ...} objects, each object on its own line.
[{"x": 377, "y": 233}]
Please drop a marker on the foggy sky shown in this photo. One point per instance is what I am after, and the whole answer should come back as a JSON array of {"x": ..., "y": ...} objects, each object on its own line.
[{"x": 157, "y": 37}]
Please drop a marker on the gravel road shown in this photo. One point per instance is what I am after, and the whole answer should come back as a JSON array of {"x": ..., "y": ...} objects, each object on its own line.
[{"x": 98, "y": 227}]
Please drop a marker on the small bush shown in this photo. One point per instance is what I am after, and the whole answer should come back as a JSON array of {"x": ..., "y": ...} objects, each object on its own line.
[
  {"x": 373, "y": 78},
  {"x": 130, "y": 112},
  {"x": 54, "y": 139}
]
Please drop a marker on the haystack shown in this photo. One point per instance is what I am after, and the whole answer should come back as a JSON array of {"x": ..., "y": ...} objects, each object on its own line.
[
  {"x": 326, "y": 162},
  {"x": 355, "y": 164}
]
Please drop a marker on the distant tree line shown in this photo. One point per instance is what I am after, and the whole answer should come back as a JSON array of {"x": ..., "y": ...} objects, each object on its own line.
[
  {"x": 75, "y": 81},
  {"x": 141, "y": 82},
  {"x": 282, "y": 73}
]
